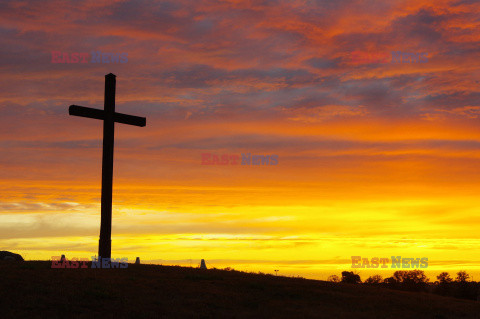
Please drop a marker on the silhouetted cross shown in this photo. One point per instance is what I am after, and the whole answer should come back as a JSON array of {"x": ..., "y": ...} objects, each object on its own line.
[{"x": 109, "y": 117}]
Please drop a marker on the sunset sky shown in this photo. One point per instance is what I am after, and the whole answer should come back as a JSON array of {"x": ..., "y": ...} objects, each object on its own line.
[{"x": 375, "y": 159}]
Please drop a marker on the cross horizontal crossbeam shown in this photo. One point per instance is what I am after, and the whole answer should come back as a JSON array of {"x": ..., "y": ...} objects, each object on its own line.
[{"x": 100, "y": 115}]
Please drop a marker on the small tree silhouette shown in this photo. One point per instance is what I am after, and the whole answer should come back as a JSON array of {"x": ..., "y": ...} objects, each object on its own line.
[
  {"x": 413, "y": 280},
  {"x": 464, "y": 288},
  {"x": 350, "y": 278},
  {"x": 462, "y": 276},
  {"x": 445, "y": 285},
  {"x": 444, "y": 278}
]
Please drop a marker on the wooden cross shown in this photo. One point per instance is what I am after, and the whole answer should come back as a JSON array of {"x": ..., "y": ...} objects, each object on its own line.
[{"x": 109, "y": 117}]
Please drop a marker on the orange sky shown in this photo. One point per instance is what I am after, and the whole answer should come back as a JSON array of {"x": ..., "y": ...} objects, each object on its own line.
[{"x": 375, "y": 159}]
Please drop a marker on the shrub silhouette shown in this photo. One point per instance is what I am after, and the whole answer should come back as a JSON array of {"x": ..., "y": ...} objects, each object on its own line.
[
  {"x": 333, "y": 278},
  {"x": 374, "y": 280},
  {"x": 416, "y": 280}
]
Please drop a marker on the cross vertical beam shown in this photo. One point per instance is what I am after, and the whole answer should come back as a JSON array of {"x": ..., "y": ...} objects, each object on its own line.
[
  {"x": 109, "y": 117},
  {"x": 105, "y": 241}
]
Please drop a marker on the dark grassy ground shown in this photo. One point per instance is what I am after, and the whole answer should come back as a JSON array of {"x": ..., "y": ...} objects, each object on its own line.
[{"x": 33, "y": 290}]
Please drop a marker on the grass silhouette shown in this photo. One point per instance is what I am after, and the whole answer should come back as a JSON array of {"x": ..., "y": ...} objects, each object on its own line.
[{"x": 34, "y": 289}]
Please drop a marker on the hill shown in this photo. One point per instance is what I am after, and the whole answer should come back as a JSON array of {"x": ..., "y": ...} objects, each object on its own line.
[{"x": 32, "y": 289}]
